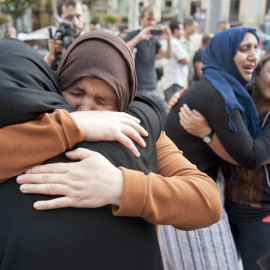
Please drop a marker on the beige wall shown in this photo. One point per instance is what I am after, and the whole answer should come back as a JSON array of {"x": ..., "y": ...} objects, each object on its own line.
[
  {"x": 206, "y": 4},
  {"x": 226, "y": 10},
  {"x": 252, "y": 12}
]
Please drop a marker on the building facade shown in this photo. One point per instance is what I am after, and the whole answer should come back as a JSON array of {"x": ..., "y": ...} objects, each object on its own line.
[
  {"x": 254, "y": 13},
  {"x": 208, "y": 12}
]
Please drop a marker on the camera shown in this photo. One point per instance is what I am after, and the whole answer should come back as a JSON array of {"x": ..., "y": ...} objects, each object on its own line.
[
  {"x": 66, "y": 33},
  {"x": 156, "y": 32}
]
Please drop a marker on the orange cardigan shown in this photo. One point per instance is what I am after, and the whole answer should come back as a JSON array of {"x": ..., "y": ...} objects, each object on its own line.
[{"x": 180, "y": 195}]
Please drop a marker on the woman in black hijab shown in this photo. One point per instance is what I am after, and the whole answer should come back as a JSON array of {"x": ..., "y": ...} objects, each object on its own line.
[{"x": 73, "y": 238}]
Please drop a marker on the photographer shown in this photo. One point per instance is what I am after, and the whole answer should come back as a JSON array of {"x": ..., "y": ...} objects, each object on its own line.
[
  {"x": 148, "y": 46},
  {"x": 71, "y": 11}
]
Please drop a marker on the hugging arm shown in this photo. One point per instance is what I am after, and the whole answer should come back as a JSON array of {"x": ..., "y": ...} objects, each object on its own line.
[
  {"x": 26, "y": 145},
  {"x": 180, "y": 195},
  {"x": 31, "y": 143},
  {"x": 177, "y": 194},
  {"x": 197, "y": 125},
  {"x": 246, "y": 151}
]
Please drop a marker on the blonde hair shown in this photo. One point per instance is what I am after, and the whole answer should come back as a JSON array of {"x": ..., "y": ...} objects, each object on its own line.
[{"x": 149, "y": 9}]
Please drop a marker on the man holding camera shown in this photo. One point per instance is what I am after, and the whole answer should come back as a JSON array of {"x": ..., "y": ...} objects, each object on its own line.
[
  {"x": 147, "y": 47},
  {"x": 72, "y": 11}
]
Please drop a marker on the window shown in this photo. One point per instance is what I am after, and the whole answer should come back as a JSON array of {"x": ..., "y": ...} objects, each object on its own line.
[
  {"x": 168, "y": 3},
  {"x": 234, "y": 10},
  {"x": 195, "y": 7}
]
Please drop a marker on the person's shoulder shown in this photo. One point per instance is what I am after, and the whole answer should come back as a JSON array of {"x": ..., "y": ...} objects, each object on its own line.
[
  {"x": 199, "y": 52},
  {"x": 148, "y": 112},
  {"x": 198, "y": 56},
  {"x": 204, "y": 91},
  {"x": 205, "y": 84},
  {"x": 200, "y": 90},
  {"x": 132, "y": 34}
]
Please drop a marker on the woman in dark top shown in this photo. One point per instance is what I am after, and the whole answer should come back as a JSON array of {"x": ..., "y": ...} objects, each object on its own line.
[
  {"x": 247, "y": 192},
  {"x": 68, "y": 238},
  {"x": 220, "y": 95}
]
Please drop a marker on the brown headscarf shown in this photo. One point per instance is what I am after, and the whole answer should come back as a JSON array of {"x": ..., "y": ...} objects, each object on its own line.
[{"x": 104, "y": 56}]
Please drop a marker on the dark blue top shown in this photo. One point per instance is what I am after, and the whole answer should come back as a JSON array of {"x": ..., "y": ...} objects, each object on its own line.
[{"x": 145, "y": 61}]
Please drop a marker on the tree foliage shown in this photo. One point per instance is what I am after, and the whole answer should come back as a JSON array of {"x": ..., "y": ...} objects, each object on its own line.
[
  {"x": 89, "y": 3},
  {"x": 3, "y": 19},
  {"x": 16, "y": 8},
  {"x": 111, "y": 18}
]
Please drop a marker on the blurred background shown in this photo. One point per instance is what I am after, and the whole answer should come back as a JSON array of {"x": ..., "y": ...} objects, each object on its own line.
[{"x": 31, "y": 18}]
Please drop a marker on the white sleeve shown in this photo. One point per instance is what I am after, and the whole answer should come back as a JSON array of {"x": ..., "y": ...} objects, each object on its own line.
[{"x": 179, "y": 52}]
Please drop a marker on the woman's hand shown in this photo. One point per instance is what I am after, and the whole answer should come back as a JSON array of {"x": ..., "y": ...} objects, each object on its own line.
[
  {"x": 176, "y": 96},
  {"x": 193, "y": 122},
  {"x": 91, "y": 182},
  {"x": 111, "y": 126}
]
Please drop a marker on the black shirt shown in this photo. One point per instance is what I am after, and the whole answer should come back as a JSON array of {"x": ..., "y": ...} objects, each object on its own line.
[
  {"x": 203, "y": 97},
  {"x": 145, "y": 54},
  {"x": 197, "y": 58},
  {"x": 82, "y": 239}
]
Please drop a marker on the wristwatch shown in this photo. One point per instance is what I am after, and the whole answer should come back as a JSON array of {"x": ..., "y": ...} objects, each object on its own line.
[{"x": 208, "y": 138}]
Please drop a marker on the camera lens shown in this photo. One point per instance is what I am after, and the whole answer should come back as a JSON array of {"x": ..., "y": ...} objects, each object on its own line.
[{"x": 67, "y": 40}]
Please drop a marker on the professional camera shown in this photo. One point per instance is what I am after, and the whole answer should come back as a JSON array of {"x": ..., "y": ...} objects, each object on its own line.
[{"x": 66, "y": 33}]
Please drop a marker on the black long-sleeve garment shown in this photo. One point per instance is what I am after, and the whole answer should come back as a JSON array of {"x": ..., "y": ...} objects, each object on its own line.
[
  {"x": 204, "y": 98},
  {"x": 76, "y": 238}
]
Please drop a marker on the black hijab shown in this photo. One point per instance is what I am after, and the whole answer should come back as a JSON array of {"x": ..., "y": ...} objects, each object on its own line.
[
  {"x": 28, "y": 86},
  {"x": 72, "y": 238}
]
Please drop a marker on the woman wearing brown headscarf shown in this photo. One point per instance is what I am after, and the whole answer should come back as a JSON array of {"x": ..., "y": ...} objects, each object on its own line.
[
  {"x": 81, "y": 238},
  {"x": 103, "y": 56}
]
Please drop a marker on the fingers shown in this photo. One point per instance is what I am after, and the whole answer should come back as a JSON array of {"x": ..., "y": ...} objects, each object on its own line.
[
  {"x": 183, "y": 123},
  {"x": 185, "y": 113},
  {"x": 48, "y": 189},
  {"x": 135, "y": 125},
  {"x": 186, "y": 110},
  {"x": 134, "y": 135},
  {"x": 129, "y": 144},
  {"x": 42, "y": 178},
  {"x": 185, "y": 116},
  {"x": 183, "y": 90},
  {"x": 80, "y": 154},
  {"x": 167, "y": 30},
  {"x": 131, "y": 117},
  {"x": 49, "y": 168},
  {"x": 131, "y": 147},
  {"x": 197, "y": 113},
  {"x": 53, "y": 204},
  {"x": 125, "y": 136},
  {"x": 174, "y": 99}
]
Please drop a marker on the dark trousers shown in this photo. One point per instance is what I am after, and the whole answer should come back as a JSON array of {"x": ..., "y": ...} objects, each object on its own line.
[{"x": 252, "y": 240}]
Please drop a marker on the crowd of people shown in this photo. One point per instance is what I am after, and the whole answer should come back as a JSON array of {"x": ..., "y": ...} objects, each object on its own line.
[{"x": 146, "y": 150}]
